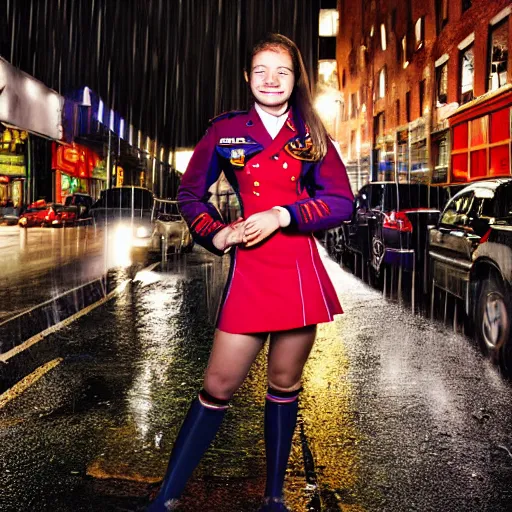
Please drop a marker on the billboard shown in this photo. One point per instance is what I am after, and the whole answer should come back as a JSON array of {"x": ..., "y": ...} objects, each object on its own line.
[{"x": 28, "y": 104}]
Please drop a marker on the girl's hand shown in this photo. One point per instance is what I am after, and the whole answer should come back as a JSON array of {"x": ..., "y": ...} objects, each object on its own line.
[
  {"x": 260, "y": 226},
  {"x": 232, "y": 234}
]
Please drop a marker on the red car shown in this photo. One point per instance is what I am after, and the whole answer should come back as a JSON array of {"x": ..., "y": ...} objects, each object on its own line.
[{"x": 44, "y": 214}]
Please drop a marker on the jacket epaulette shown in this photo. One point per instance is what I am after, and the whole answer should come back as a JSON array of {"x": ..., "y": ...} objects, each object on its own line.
[{"x": 227, "y": 115}]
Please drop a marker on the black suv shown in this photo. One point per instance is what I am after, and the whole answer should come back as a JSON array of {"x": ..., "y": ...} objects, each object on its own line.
[
  {"x": 389, "y": 224},
  {"x": 471, "y": 258}
]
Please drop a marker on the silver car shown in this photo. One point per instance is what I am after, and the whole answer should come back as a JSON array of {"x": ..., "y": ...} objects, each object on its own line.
[{"x": 170, "y": 231}]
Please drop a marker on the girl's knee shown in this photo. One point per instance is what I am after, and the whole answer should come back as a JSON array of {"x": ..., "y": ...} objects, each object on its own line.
[
  {"x": 220, "y": 386},
  {"x": 284, "y": 382}
]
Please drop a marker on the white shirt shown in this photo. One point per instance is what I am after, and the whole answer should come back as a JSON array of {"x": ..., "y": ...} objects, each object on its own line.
[{"x": 273, "y": 124}]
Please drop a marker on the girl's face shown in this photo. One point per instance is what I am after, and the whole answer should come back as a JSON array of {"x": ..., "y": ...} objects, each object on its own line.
[{"x": 272, "y": 79}]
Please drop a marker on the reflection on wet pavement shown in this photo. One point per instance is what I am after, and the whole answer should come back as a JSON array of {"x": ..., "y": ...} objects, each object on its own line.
[{"x": 397, "y": 413}]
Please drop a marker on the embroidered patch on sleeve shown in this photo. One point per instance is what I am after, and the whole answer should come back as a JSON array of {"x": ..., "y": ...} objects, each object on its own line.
[
  {"x": 315, "y": 209},
  {"x": 204, "y": 224}
]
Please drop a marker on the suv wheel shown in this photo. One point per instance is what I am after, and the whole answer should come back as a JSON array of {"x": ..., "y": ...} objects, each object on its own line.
[{"x": 493, "y": 316}]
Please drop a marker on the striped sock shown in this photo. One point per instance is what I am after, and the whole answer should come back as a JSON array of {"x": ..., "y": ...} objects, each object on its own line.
[{"x": 212, "y": 402}]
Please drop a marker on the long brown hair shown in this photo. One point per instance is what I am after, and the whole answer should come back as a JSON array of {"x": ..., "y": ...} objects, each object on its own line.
[{"x": 301, "y": 99}]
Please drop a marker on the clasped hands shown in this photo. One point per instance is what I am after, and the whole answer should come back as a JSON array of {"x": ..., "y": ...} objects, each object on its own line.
[{"x": 248, "y": 232}]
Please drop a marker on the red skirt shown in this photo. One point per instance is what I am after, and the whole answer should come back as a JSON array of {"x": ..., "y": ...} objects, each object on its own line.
[{"x": 278, "y": 285}]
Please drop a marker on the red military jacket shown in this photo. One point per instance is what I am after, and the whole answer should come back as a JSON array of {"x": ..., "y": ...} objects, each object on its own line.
[{"x": 231, "y": 141}]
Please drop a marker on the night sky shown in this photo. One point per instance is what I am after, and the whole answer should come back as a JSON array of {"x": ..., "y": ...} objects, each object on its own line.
[{"x": 166, "y": 66}]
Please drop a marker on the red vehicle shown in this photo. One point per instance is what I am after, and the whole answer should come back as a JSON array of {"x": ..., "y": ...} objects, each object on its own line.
[{"x": 44, "y": 214}]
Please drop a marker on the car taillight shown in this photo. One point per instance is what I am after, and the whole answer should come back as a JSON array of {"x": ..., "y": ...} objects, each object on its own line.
[
  {"x": 485, "y": 237},
  {"x": 398, "y": 221}
]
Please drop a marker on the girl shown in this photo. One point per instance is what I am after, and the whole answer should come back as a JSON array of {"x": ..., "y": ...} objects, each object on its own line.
[{"x": 290, "y": 182}]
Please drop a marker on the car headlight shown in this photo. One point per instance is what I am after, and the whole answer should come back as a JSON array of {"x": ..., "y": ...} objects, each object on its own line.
[{"x": 142, "y": 232}]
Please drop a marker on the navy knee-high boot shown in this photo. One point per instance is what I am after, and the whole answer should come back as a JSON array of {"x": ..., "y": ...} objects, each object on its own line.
[
  {"x": 280, "y": 420},
  {"x": 196, "y": 434}
]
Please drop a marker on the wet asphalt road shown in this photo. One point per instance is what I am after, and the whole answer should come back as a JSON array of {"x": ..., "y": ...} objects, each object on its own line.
[{"x": 398, "y": 413}]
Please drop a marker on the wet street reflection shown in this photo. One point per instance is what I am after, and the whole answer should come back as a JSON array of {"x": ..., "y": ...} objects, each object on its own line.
[{"x": 397, "y": 414}]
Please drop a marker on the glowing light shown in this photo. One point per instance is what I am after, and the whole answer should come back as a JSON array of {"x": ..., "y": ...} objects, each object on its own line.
[
  {"x": 122, "y": 244},
  {"x": 328, "y": 23},
  {"x": 121, "y": 128},
  {"x": 111, "y": 122},
  {"x": 382, "y": 83},
  {"x": 383, "y": 41},
  {"x": 32, "y": 88},
  {"x": 142, "y": 232},
  {"x": 86, "y": 97},
  {"x": 183, "y": 157},
  {"x": 100, "y": 111},
  {"x": 328, "y": 72}
]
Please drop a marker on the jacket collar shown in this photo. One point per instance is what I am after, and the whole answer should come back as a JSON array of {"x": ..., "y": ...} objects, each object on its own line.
[{"x": 256, "y": 129}]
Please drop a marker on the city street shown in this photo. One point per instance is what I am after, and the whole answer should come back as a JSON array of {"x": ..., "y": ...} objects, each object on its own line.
[{"x": 398, "y": 413}]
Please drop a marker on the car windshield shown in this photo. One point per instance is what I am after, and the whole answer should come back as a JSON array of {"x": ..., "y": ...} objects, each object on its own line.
[
  {"x": 166, "y": 207},
  {"x": 139, "y": 198}
]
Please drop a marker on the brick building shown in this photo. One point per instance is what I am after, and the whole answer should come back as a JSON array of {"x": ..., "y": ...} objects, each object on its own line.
[{"x": 410, "y": 72}]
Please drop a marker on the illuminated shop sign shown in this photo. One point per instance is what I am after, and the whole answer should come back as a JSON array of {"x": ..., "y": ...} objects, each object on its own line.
[
  {"x": 76, "y": 160},
  {"x": 12, "y": 152}
]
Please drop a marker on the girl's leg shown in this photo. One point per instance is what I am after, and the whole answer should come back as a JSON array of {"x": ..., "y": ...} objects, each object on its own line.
[
  {"x": 230, "y": 360},
  {"x": 288, "y": 353}
]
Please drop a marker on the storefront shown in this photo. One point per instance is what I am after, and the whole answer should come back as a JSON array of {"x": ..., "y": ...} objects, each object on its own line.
[
  {"x": 481, "y": 134},
  {"x": 77, "y": 169},
  {"x": 384, "y": 159},
  {"x": 13, "y": 169},
  {"x": 418, "y": 153},
  {"x": 30, "y": 117},
  {"x": 402, "y": 155}
]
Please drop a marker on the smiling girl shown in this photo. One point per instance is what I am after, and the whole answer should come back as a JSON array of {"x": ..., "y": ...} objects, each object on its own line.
[{"x": 290, "y": 182}]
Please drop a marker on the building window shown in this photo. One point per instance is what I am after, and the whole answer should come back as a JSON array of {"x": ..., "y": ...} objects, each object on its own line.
[
  {"x": 498, "y": 55},
  {"x": 442, "y": 84},
  {"x": 383, "y": 41},
  {"x": 352, "y": 61},
  {"x": 379, "y": 125},
  {"x": 419, "y": 32},
  {"x": 353, "y": 106},
  {"x": 382, "y": 82},
  {"x": 328, "y": 73},
  {"x": 441, "y": 14},
  {"x": 328, "y": 22},
  {"x": 405, "y": 60},
  {"x": 397, "y": 110},
  {"x": 466, "y": 4},
  {"x": 408, "y": 106},
  {"x": 440, "y": 157},
  {"x": 422, "y": 96},
  {"x": 467, "y": 74}
]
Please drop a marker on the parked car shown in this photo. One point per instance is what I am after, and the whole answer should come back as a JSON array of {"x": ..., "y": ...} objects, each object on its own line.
[
  {"x": 470, "y": 251},
  {"x": 127, "y": 211},
  {"x": 42, "y": 214},
  {"x": 389, "y": 224},
  {"x": 170, "y": 231},
  {"x": 80, "y": 204}
]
